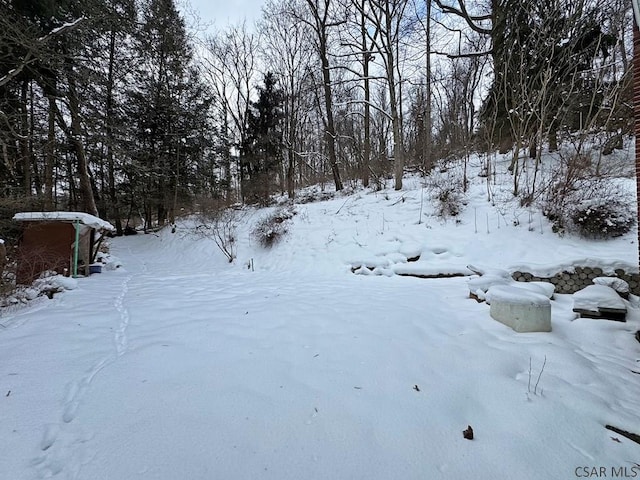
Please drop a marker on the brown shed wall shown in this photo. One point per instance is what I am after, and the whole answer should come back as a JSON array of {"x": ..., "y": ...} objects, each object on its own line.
[{"x": 49, "y": 246}]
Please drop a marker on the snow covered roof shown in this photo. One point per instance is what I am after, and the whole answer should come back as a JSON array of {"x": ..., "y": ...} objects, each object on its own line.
[{"x": 84, "y": 218}]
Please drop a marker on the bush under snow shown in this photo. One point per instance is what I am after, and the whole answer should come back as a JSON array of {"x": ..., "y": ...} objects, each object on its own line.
[{"x": 603, "y": 218}]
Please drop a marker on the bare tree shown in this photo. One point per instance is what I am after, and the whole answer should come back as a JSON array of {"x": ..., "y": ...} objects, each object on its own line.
[
  {"x": 322, "y": 22},
  {"x": 428, "y": 124},
  {"x": 285, "y": 50},
  {"x": 361, "y": 47},
  {"x": 388, "y": 18},
  {"x": 231, "y": 65}
]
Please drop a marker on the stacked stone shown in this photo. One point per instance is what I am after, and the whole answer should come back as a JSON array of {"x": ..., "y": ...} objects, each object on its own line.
[{"x": 571, "y": 282}]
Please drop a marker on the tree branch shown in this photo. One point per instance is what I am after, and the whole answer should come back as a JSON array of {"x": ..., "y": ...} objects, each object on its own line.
[
  {"x": 29, "y": 57},
  {"x": 464, "y": 14}
]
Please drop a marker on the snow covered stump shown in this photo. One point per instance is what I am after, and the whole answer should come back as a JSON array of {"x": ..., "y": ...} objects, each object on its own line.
[
  {"x": 599, "y": 301},
  {"x": 522, "y": 310}
]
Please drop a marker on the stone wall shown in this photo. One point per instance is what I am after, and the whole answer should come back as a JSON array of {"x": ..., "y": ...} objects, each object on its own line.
[{"x": 571, "y": 282}]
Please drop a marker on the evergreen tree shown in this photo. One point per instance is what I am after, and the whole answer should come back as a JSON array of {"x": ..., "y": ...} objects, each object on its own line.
[
  {"x": 168, "y": 108},
  {"x": 262, "y": 160},
  {"x": 40, "y": 54}
]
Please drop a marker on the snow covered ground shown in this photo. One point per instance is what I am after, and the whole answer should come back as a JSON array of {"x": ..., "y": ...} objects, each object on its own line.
[{"x": 180, "y": 365}]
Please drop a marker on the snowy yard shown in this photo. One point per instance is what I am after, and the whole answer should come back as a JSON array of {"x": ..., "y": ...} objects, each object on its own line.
[{"x": 178, "y": 365}]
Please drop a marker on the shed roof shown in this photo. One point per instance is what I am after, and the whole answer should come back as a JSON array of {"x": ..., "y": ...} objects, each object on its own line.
[{"x": 83, "y": 218}]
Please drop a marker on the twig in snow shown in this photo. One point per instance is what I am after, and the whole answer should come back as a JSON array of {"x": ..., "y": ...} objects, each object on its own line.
[
  {"x": 421, "y": 202},
  {"x": 535, "y": 388},
  {"x": 475, "y": 219},
  {"x": 401, "y": 199},
  {"x": 345, "y": 202}
]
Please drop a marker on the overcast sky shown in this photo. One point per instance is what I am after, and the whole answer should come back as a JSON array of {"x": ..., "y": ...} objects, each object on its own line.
[{"x": 223, "y": 12}]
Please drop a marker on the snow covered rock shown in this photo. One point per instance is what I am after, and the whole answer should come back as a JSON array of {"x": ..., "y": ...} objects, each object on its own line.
[
  {"x": 617, "y": 284},
  {"x": 48, "y": 285},
  {"x": 63, "y": 283},
  {"x": 599, "y": 301},
  {"x": 493, "y": 272},
  {"x": 478, "y": 286},
  {"x": 51, "y": 284},
  {"x": 545, "y": 288},
  {"x": 521, "y": 309}
]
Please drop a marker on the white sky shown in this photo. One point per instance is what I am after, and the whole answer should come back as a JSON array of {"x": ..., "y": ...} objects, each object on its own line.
[{"x": 220, "y": 13}]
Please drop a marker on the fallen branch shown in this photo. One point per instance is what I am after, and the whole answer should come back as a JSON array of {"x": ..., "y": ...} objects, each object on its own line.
[{"x": 631, "y": 436}]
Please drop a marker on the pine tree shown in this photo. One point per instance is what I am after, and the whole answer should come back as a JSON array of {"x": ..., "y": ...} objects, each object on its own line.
[
  {"x": 168, "y": 109},
  {"x": 262, "y": 160}
]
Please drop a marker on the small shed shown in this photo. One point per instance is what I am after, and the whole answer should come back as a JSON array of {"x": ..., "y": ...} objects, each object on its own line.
[{"x": 60, "y": 241}]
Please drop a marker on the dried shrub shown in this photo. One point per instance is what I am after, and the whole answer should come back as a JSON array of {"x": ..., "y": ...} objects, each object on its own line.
[
  {"x": 7, "y": 270},
  {"x": 449, "y": 202},
  {"x": 33, "y": 261},
  {"x": 314, "y": 195},
  {"x": 572, "y": 182},
  {"x": 219, "y": 224},
  {"x": 583, "y": 199},
  {"x": 273, "y": 227},
  {"x": 446, "y": 186}
]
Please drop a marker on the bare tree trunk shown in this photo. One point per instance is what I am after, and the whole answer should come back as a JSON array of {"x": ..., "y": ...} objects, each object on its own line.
[
  {"x": 74, "y": 133},
  {"x": 25, "y": 153},
  {"x": 398, "y": 150},
  {"x": 50, "y": 155},
  {"x": 553, "y": 140},
  {"x": 226, "y": 155},
  {"x": 427, "y": 147},
  {"x": 366, "y": 58},
  {"x": 320, "y": 25},
  {"x": 36, "y": 179},
  {"x": 291, "y": 173},
  {"x": 291, "y": 140},
  {"x": 110, "y": 135},
  {"x": 330, "y": 130},
  {"x": 387, "y": 19}
]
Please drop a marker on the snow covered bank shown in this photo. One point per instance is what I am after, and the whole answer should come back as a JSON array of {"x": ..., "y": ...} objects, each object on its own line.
[{"x": 285, "y": 365}]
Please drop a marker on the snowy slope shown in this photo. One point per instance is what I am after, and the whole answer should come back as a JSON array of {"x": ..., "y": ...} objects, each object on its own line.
[{"x": 180, "y": 365}]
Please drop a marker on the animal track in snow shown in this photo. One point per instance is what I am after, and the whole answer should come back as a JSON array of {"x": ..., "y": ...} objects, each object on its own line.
[
  {"x": 121, "y": 333},
  {"x": 62, "y": 445}
]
